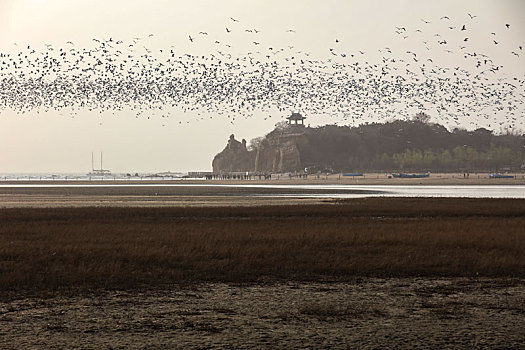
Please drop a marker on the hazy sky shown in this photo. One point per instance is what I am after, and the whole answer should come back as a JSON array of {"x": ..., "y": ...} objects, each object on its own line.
[{"x": 57, "y": 142}]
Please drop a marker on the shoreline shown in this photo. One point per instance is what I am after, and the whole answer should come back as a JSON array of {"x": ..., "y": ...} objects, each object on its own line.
[
  {"x": 245, "y": 193},
  {"x": 444, "y": 179}
]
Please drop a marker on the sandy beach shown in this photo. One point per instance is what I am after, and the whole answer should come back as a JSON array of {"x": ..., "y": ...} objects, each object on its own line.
[
  {"x": 323, "y": 179},
  {"x": 211, "y": 193}
]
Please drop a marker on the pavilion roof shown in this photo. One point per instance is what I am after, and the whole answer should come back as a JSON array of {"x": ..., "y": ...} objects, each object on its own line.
[{"x": 296, "y": 116}]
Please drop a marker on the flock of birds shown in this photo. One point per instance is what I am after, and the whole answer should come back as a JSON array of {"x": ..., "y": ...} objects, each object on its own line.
[{"x": 116, "y": 75}]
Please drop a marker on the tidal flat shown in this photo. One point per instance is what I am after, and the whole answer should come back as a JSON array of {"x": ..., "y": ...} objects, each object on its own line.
[{"x": 369, "y": 272}]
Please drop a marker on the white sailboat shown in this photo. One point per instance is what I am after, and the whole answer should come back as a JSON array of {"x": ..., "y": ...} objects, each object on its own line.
[{"x": 98, "y": 172}]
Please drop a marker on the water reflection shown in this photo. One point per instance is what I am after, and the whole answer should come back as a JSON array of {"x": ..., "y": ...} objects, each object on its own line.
[
  {"x": 281, "y": 190},
  {"x": 494, "y": 191}
]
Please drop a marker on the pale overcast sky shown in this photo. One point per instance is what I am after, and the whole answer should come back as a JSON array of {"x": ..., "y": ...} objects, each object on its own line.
[{"x": 57, "y": 142}]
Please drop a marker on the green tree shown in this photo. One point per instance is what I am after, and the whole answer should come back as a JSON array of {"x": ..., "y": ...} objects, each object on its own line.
[
  {"x": 429, "y": 159},
  {"x": 446, "y": 160}
]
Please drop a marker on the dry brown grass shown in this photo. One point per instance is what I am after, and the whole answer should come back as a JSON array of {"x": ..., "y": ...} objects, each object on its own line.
[{"x": 62, "y": 248}]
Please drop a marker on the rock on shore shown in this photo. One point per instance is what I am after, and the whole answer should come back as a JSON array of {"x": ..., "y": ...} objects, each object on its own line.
[{"x": 279, "y": 151}]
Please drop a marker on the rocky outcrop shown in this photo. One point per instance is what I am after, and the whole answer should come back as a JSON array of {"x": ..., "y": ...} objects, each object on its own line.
[
  {"x": 280, "y": 151},
  {"x": 235, "y": 157}
]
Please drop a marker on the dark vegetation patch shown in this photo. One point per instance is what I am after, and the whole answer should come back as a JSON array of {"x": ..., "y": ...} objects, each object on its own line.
[{"x": 122, "y": 248}]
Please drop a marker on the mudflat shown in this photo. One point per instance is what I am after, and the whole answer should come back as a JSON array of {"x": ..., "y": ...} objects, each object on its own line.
[
  {"x": 367, "y": 313},
  {"x": 218, "y": 193},
  {"x": 366, "y": 273}
]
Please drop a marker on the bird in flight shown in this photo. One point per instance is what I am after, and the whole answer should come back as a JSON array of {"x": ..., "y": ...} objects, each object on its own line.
[
  {"x": 228, "y": 30},
  {"x": 427, "y": 22},
  {"x": 233, "y": 19},
  {"x": 191, "y": 39},
  {"x": 471, "y": 16},
  {"x": 464, "y": 27},
  {"x": 290, "y": 31},
  {"x": 507, "y": 25}
]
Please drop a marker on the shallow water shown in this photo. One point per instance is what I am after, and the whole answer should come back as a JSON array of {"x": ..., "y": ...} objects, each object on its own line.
[
  {"x": 451, "y": 191},
  {"x": 297, "y": 191}
]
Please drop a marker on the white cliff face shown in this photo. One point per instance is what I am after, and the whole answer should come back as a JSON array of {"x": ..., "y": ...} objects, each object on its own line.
[
  {"x": 279, "y": 154},
  {"x": 280, "y": 150}
]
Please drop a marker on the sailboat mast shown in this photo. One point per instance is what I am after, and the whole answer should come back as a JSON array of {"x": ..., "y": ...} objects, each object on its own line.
[
  {"x": 101, "y": 161},
  {"x": 92, "y": 162}
]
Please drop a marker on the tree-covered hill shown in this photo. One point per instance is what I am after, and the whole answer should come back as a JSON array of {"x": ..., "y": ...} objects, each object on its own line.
[
  {"x": 414, "y": 145},
  {"x": 410, "y": 145}
]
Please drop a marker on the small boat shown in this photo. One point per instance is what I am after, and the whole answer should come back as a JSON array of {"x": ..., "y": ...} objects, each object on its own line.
[
  {"x": 98, "y": 172},
  {"x": 500, "y": 176},
  {"x": 353, "y": 174},
  {"x": 410, "y": 176}
]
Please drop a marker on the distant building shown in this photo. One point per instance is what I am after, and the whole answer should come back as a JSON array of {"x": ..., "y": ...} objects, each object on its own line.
[{"x": 295, "y": 118}]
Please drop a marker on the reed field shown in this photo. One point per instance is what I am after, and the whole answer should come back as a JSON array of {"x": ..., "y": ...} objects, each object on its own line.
[{"x": 125, "y": 248}]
